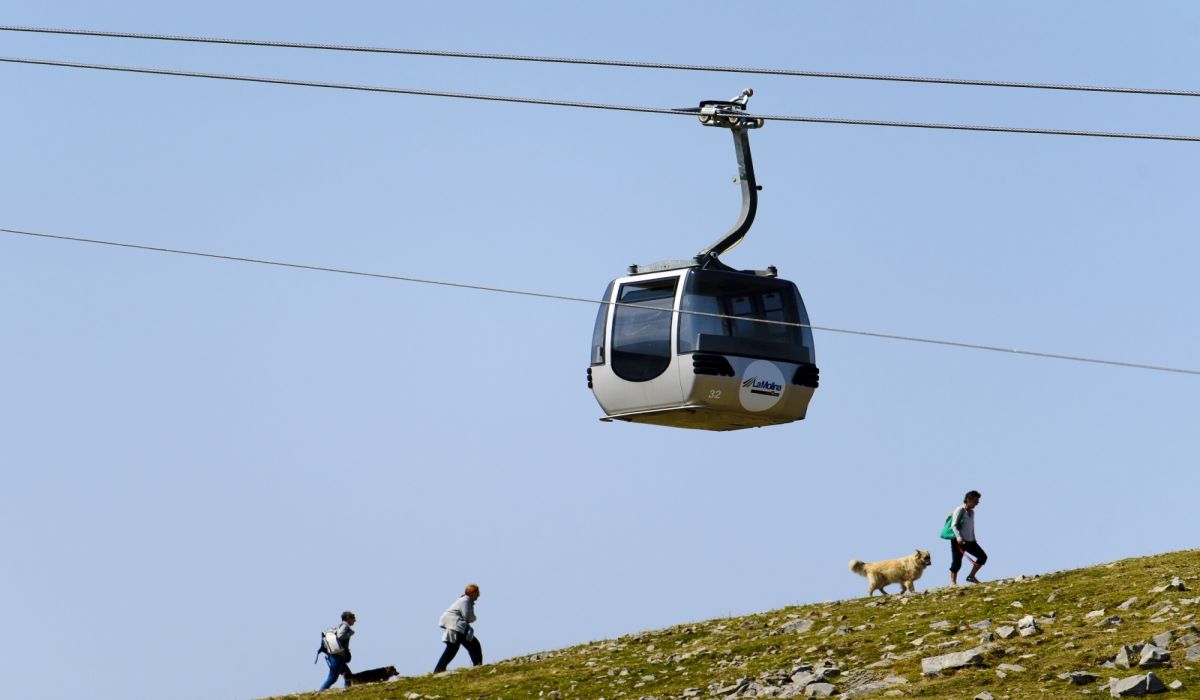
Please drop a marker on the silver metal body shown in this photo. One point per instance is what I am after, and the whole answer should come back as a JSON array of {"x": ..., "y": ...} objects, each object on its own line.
[{"x": 760, "y": 391}]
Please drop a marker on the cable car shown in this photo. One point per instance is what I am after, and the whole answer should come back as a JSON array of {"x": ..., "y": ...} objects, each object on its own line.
[{"x": 697, "y": 344}]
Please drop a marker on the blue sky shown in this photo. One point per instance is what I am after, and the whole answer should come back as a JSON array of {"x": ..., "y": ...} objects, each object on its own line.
[{"x": 205, "y": 462}]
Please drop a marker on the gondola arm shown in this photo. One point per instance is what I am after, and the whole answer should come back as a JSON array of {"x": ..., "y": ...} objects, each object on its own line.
[{"x": 725, "y": 114}]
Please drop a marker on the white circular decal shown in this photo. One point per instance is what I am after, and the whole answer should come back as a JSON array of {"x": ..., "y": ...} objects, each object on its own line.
[{"x": 762, "y": 386}]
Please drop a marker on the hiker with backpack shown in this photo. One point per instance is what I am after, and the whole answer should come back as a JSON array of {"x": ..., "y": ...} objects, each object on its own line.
[
  {"x": 456, "y": 622},
  {"x": 335, "y": 645},
  {"x": 960, "y": 530}
]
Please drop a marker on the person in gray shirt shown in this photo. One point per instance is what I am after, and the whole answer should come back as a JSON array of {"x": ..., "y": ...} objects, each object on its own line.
[
  {"x": 339, "y": 662},
  {"x": 456, "y": 622},
  {"x": 962, "y": 522}
]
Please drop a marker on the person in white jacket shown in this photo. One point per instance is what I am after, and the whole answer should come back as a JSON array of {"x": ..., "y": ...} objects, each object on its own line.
[
  {"x": 962, "y": 521},
  {"x": 456, "y": 622}
]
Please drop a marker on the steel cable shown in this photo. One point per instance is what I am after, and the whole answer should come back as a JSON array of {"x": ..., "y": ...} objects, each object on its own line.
[
  {"x": 561, "y": 297},
  {"x": 748, "y": 70},
  {"x": 593, "y": 105}
]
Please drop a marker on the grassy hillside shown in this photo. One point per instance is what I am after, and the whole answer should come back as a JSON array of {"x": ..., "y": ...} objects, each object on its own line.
[{"x": 873, "y": 642}]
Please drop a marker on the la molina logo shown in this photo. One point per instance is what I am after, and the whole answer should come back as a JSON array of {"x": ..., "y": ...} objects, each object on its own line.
[
  {"x": 762, "y": 386},
  {"x": 766, "y": 387}
]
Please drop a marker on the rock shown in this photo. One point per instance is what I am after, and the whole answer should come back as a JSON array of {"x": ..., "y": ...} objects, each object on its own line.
[
  {"x": 1153, "y": 656},
  {"x": 987, "y": 638},
  {"x": 1079, "y": 677},
  {"x": 985, "y": 695},
  {"x": 733, "y": 689},
  {"x": 1176, "y": 584},
  {"x": 692, "y": 692},
  {"x": 933, "y": 665},
  {"x": 939, "y": 625},
  {"x": 1112, "y": 621},
  {"x": 872, "y": 686},
  {"x": 1017, "y": 604},
  {"x": 1192, "y": 653},
  {"x": 1094, "y": 614},
  {"x": 1175, "y": 685},
  {"x": 819, "y": 690},
  {"x": 1006, "y": 632},
  {"x": 981, "y": 625},
  {"x": 1128, "y": 603},
  {"x": 1135, "y": 686},
  {"x": 1127, "y": 687},
  {"x": 1154, "y": 684},
  {"x": 796, "y": 627},
  {"x": 1028, "y": 626},
  {"x": 1125, "y": 657},
  {"x": 1014, "y": 668},
  {"x": 1050, "y": 598}
]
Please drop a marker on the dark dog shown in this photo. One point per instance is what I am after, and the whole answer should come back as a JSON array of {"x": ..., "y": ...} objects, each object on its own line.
[{"x": 374, "y": 675}]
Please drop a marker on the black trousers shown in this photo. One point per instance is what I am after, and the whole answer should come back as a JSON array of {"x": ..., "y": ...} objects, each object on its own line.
[
  {"x": 473, "y": 649},
  {"x": 972, "y": 548}
]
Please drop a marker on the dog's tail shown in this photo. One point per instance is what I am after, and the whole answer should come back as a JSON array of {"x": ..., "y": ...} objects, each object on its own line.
[{"x": 858, "y": 567}]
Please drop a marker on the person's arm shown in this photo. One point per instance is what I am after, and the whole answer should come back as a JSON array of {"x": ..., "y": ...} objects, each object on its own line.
[
  {"x": 459, "y": 613},
  {"x": 955, "y": 519},
  {"x": 470, "y": 611}
]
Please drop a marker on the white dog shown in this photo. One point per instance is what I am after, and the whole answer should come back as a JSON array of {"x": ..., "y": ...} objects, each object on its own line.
[{"x": 903, "y": 571}]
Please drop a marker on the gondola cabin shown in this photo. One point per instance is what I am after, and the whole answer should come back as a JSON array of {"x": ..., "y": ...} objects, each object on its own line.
[
  {"x": 698, "y": 344},
  {"x": 685, "y": 346}
]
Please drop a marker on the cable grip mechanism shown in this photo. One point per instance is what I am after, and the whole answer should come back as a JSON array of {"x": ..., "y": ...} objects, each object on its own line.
[{"x": 730, "y": 114}]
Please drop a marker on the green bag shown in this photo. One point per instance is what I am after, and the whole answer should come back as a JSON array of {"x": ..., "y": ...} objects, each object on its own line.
[{"x": 947, "y": 531}]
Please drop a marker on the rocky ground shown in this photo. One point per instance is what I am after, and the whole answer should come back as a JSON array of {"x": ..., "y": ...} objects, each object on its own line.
[{"x": 1123, "y": 629}]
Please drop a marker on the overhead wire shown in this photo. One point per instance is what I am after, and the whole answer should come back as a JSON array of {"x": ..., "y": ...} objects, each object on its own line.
[
  {"x": 690, "y": 112},
  {"x": 562, "y": 297},
  {"x": 746, "y": 70}
]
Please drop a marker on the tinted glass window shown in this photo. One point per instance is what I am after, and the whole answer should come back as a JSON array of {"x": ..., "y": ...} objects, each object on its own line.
[
  {"x": 745, "y": 299},
  {"x": 601, "y": 323},
  {"x": 641, "y": 338}
]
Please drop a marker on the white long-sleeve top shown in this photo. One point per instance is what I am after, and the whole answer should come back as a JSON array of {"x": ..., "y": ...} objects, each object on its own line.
[
  {"x": 963, "y": 523},
  {"x": 457, "y": 620}
]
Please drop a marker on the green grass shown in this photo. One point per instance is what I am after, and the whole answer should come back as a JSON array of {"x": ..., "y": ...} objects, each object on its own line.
[{"x": 717, "y": 653}]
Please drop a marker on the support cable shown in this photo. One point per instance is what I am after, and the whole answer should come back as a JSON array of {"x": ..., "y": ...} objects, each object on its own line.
[
  {"x": 593, "y": 105},
  {"x": 747, "y": 70},
  {"x": 560, "y": 297}
]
